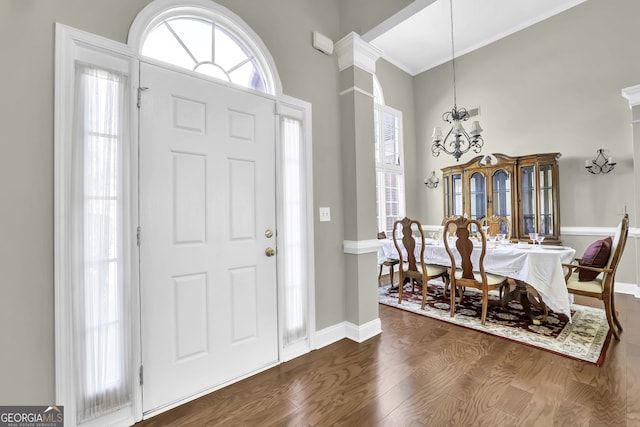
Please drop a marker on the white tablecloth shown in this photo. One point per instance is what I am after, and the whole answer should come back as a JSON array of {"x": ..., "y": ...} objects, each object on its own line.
[{"x": 539, "y": 266}]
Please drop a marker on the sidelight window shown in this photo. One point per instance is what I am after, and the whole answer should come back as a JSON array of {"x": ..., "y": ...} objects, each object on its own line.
[{"x": 100, "y": 309}]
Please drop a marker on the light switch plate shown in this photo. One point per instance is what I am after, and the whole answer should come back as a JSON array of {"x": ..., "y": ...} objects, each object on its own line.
[{"x": 325, "y": 214}]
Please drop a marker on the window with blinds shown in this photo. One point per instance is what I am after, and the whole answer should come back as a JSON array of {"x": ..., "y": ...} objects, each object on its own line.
[{"x": 389, "y": 165}]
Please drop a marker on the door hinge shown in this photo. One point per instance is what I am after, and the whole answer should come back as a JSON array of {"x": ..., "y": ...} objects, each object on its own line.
[
  {"x": 141, "y": 375},
  {"x": 138, "y": 231},
  {"x": 140, "y": 90}
]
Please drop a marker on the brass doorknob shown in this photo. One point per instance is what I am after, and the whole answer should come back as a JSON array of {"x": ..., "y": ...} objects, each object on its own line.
[{"x": 269, "y": 252}]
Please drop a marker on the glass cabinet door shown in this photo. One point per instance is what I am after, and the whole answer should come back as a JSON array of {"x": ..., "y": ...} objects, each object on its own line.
[
  {"x": 453, "y": 198},
  {"x": 501, "y": 201},
  {"x": 502, "y": 194},
  {"x": 447, "y": 196},
  {"x": 457, "y": 194},
  {"x": 545, "y": 199},
  {"x": 528, "y": 200},
  {"x": 523, "y": 189},
  {"x": 478, "y": 196}
]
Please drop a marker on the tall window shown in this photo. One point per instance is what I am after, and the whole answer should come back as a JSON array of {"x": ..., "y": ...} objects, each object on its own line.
[
  {"x": 100, "y": 309},
  {"x": 293, "y": 240},
  {"x": 389, "y": 163}
]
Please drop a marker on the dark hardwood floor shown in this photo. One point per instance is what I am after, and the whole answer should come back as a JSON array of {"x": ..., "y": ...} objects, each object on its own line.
[{"x": 422, "y": 372}]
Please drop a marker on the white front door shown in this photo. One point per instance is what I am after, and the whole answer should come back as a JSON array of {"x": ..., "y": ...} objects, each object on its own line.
[{"x": 207, "y": 199}]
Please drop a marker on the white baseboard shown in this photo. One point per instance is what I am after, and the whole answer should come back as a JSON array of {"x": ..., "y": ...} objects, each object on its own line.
[
  {"x": 363, "y": 332},
  {"x": 348, "y": 330},
  {"x": 628, "y": 289}
]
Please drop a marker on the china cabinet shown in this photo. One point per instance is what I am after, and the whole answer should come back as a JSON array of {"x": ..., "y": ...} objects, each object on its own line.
[{"x": 523, "y": 189}]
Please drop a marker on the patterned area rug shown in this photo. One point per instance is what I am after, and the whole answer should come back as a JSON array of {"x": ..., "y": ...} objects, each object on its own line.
[{"x": 585, "y": 338}]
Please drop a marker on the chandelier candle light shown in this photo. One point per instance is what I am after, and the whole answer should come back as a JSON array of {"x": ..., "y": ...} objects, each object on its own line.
[{"x": 461, "y": 141}]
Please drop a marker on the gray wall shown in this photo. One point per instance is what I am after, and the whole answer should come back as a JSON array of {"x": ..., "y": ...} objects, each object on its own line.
[
  {"x": 397, "y": 87},
  {"x": 533, "y": 97},
  {"x": 27, "y": 43},
  {"x": 363, "y": 15},
  {"x": 26, "y": 307},
  {"x": 552, "y": 87},
  {"x": 26, "y": 176},
  {"x": 285, "y": 27}
]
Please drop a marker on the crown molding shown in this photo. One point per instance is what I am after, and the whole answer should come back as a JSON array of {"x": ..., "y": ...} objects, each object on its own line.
[{"x": 632, "y": 94}]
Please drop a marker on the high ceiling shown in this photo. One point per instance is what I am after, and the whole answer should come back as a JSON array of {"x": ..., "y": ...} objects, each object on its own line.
[{"x": 418, "y": 38}]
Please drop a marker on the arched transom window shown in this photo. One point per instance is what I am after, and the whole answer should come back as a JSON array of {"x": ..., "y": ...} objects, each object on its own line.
[{"x": 204, "y": 46}]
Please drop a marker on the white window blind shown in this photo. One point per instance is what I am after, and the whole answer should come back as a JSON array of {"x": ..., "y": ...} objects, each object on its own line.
[{"x": 389, "y": 167}]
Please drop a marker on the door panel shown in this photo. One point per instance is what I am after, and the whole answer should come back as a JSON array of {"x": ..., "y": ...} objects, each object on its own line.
[{"x": 207, "y": 193}]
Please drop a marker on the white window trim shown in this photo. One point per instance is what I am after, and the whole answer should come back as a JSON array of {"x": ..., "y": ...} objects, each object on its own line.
[
  {"x": 378, "y": 95},
  {"x": 159, "y": 10},
  {"x": 73, "y": 45},
  {"x": 383, "y": 167},
  {"x": 300, "y": 110}
]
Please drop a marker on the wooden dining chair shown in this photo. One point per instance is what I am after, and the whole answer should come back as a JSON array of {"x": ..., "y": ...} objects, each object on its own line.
[
  {"x": 469, "y": 274},
  {"x": 414, "y": 270},
  {"x": 497, "y": 225},
  {"x": 450, "y": 230},
  {"x": 602, "y": 285},
  {"x": 386, "y": 262}
]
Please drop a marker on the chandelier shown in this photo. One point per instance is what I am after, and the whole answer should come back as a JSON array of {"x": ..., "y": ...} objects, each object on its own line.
[{"x": 458, "y": 141}]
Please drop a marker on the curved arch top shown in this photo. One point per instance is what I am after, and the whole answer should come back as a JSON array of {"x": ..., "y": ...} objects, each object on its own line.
[
  {"x": 378, "y": 94},
  {"x": 159, "y": 10}
]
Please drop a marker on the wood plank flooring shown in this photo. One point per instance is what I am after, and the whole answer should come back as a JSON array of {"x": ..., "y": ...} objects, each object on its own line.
[{"x": 422, "y": 372}]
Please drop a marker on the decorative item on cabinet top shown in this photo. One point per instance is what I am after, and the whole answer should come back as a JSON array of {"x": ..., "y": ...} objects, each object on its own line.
[{"x": 524, "y": 189}]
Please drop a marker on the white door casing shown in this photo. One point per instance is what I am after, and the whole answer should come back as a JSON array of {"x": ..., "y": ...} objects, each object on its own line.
[
  {"x": 207, "y": 196},
  {"x": 71, "y": 45}
]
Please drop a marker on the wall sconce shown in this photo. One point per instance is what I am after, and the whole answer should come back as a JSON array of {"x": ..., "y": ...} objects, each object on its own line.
[
  {"x": 432, "y": 181},
  {"x": 600, "y": 164}
]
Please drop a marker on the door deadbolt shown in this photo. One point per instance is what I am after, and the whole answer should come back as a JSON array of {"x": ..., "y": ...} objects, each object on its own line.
[{"x": 268, "y": 233}]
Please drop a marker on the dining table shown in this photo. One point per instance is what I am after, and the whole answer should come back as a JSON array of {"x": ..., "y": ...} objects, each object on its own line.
[{"x": 539, "y": 266}]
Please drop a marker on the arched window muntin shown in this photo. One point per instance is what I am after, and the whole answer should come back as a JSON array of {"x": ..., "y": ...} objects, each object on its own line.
[{"x": 163, "y": 14}]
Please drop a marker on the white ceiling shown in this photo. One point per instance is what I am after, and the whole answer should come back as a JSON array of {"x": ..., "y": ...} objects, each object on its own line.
[{"x": 418, "y": 38}]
